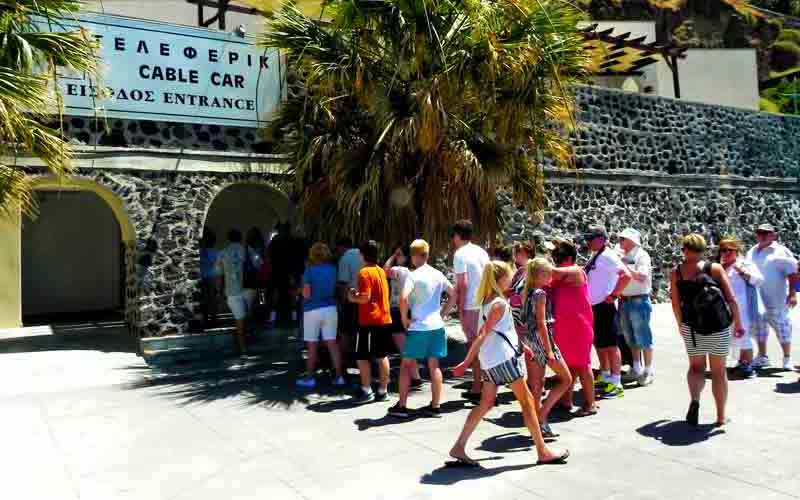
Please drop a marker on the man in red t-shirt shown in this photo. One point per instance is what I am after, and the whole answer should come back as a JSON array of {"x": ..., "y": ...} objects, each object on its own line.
[{"x": 374, "y": 336}]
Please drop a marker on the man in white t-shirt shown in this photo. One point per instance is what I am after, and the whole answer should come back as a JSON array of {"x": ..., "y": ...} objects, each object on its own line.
[
  {"x": 426, "y": 338},
  {"x": 635, "y": 306},
  {"x": 607, "y": 277},
  {"x": 778, "y": 266},
  {"x": 469, "y": 261}
]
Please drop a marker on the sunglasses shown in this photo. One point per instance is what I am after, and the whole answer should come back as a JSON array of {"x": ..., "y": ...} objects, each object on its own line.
[
  {"x": 762, "y": 233},
  {"x": 726, "y": 250}
]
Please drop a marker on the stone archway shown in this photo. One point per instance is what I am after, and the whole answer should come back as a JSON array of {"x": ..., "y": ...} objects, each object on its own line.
[
  {"x": 126, "y": 234},
  {"x": 245, "y": 204}
]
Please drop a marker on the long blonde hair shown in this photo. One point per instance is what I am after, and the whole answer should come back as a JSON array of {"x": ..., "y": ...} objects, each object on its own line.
[
  {"x": 535, "y": 267},
  {"x": 492, "y": 273}
]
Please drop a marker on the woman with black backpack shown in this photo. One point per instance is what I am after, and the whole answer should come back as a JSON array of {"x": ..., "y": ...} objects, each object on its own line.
[{"x": 707, "y": 314}]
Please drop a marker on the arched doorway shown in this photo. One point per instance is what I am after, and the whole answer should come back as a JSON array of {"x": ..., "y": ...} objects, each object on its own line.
[
  {"x": 243, "y": 206},
  {"x": 78, "y": 257}
]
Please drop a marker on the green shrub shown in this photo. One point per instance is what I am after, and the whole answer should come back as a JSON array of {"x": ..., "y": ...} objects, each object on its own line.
[
  {"x": 790, "y": 35},
  {"x": 768, "y": 106},
  {"x": 785, "y": 55}
]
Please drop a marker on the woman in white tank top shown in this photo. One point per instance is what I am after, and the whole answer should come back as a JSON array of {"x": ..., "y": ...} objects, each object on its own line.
[{"x": 497, "y": 347}]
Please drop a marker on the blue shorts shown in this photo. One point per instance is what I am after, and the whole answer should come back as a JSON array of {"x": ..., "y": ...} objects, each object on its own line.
[
  {"x": 426, "y": 344},
  {"x": 634, "y": 321}
]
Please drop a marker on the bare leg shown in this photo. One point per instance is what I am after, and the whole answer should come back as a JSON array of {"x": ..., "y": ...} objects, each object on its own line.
[
  {"x": 523, "y": 395},
  {"x": 563, "y": 383},
  {"x": 488, "y": 395},
  {"x": 405, "y": 380},
  {"x": 746, "y": 356},
  {"x": 787, "y": 349},
  {"x": 437, "y": 381},
  {"x": 602, "y": 355},
  {"x": 364, "y": 372},
  {"x": 241, "y": 326},
  {"x": 696, "y": 376},
  {"x": 476, "y": 376},
  {"x": 536, "y": 384},
  {"x": 311, "y": 360},
  {"x": 762, "y": 347},
  {"x": 587, "y": 387},
  {"x": 566, "y": 399},
  {"x": 648, "y": 357},
  {"x": 336, "y": 356},
  {"x": 400, "y": 342},
  {"x": 636, "y": 354},
  {"x": 614, "y": 360},
  {"x": 719, "y": 385},
  {"x": 383, "y": 373}
]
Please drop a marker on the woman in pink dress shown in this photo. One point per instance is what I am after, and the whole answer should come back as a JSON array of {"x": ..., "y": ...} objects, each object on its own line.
[{"x": 573, "y": 328}]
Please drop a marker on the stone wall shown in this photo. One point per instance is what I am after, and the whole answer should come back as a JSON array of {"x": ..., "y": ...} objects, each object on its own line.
[
  {"x": 167, "y": 211},
  {"x": 662, "y": 166},
  {"x": 662, "y": 214}
]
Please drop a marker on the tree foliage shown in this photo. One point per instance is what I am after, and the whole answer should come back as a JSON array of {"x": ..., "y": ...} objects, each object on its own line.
[
  {"x": 408, "y": 114},
  {"x": 29, "y": 56}
]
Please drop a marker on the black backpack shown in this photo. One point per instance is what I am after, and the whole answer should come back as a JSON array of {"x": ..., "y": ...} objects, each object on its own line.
[{"x": 711, "y": 311}]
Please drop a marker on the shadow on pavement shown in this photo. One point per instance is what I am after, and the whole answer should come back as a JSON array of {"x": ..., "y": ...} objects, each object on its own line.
[
  {"x": 678, "y": 433},
  {"x": 788, "y": 387},
  {"x": 444, "y": 476},
  {"x": 364, "y": 424},
  {"x": 103, "y": 336},
  {"x": 259, "y": 383},
  {"x": 507, "y": 443}
]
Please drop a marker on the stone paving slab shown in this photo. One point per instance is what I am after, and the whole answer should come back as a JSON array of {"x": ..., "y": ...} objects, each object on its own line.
[{"x": 99, "y": 424}]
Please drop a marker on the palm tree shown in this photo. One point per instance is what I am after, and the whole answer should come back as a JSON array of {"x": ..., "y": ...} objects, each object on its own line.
[
  {"x": 32, "y": 47},
  {"x": 404, "y": 115}
]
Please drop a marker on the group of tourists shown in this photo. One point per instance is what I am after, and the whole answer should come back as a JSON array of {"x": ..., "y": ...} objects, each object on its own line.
[
  {"x": 257, "y": 277},
  {"x": 531, "y": 309}
]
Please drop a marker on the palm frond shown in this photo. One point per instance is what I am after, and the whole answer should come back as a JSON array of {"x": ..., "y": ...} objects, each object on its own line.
[{"x": 409, "y": 114}]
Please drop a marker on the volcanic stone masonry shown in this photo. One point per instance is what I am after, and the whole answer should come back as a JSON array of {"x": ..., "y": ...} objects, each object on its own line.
[{"x": 662, "y": 166}]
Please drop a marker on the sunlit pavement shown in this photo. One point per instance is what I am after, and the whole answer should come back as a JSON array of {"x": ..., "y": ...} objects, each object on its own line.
[{"x": 97, "y": 424}]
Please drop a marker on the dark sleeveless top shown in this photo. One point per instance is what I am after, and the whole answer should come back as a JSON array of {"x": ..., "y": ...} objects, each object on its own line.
[{"x": 688, "y": 290}]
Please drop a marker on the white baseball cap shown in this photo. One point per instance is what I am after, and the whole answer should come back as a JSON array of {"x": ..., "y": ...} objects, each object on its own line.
[{"x": 633, "y": 235}]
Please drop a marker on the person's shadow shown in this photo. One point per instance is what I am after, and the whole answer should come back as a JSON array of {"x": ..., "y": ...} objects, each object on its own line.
[
  {"x": 788, "y": 387},
  {"x": 678, "y": 433},
  {"x": 444, "y": 475},
  {"x": 507, "y": 443}
]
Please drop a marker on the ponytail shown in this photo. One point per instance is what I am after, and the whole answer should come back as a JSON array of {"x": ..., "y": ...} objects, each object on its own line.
[
  {"x": 492, "y": 273},
  {"x": 535, "y": 266}
]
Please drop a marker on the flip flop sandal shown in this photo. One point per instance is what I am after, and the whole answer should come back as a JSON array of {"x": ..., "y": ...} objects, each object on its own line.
[
  {"x": 555, "y": 461},
  {"x": 585, "y": 412},
  {"x": 460, "y": 463}
]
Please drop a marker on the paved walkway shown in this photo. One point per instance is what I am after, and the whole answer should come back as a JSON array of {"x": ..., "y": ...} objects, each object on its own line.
[{"x": 96, "y": 424}]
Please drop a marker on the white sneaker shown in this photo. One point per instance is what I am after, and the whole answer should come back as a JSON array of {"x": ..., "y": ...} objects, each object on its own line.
[
  {"x": 646, "y": 378},
  {"x": 788, "y": 364},
  {"x": 760, "y": 362}
]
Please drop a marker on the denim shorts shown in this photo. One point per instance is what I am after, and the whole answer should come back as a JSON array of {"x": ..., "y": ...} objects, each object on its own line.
[{"x": 634, "y": 321}]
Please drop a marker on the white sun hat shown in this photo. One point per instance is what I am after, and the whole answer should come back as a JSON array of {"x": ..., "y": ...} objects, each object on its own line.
[{"x": 633, "y": 235}]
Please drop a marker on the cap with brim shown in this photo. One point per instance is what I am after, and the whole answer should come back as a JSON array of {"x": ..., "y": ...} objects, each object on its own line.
[
  {"x": 765, "y": 228},
  {"x": 633, "y": 235},
  {"x": 595, "y": 232}
]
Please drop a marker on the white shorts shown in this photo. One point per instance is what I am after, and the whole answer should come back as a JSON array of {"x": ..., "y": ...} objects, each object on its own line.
[
  {"x": 241, "y": 305},
  {"x": 322, "y": 322}
]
